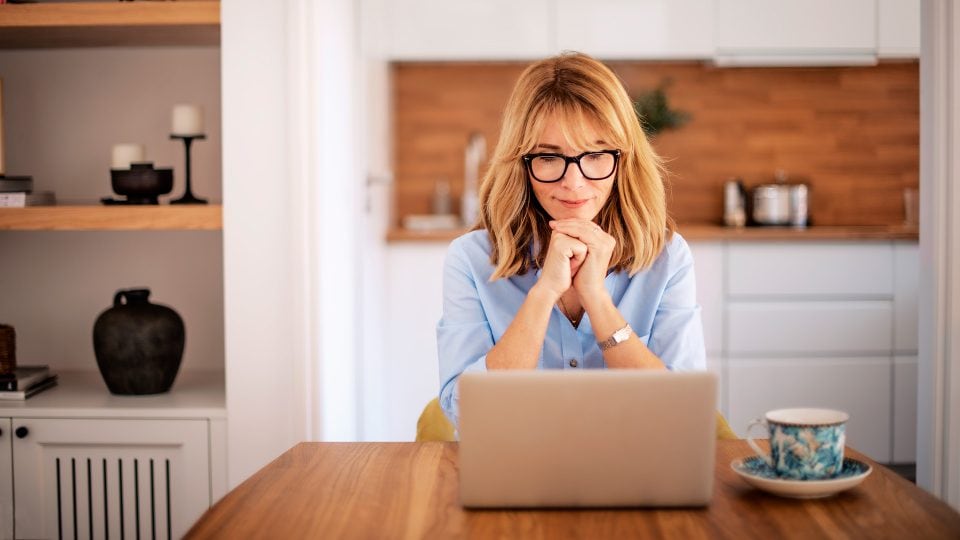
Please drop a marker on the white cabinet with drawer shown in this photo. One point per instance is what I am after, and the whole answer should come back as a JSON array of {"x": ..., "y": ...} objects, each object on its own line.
[
  {"x": 79, "y": 462},
  {"x": 818, "y": 325},
  {"x": 815, "y": 328},
  {"x": 820, "y": 269}
]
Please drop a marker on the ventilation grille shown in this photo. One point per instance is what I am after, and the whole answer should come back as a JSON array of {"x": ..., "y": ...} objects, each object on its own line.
[{"x": 113, "y": 498}]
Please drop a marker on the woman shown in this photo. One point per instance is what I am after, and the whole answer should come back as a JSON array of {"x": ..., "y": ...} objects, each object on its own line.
[{"x": 574, "y": 264}]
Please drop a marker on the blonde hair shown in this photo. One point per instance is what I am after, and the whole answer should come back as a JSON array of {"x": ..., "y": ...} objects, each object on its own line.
[{"x": 578, "y": 90}]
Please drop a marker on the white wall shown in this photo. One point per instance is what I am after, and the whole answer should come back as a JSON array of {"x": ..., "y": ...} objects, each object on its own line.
[
  {"x": 292, "y": 220},
  {"x": 262, "y": 243},
  {"x": 63, "y": 111},
  {"x": 55, "y": 284}
]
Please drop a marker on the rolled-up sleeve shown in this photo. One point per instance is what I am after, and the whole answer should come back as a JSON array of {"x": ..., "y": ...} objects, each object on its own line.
[
  {"x": 463, "y": 333},
  {"x": 677, "y": 333}
]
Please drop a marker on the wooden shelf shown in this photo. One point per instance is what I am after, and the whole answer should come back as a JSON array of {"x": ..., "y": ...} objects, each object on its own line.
[
  {"x": 108, "y": 24},
  {"x": 113, "y": 218}
]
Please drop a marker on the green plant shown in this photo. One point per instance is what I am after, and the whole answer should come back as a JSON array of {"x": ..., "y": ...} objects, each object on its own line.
[{"x": 654, "y": 112}]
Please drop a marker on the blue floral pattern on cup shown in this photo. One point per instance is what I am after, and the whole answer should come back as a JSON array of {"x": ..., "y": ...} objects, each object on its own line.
[
  {"x": 805, "y": 444},
  {"x": 807, "y": 452}
]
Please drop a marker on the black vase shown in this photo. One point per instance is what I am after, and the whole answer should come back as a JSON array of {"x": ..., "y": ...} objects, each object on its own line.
[{"x": 138, "y": 345}]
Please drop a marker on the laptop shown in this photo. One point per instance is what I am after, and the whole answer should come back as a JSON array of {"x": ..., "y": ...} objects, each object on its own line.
[{"x": 592, "y": 438}]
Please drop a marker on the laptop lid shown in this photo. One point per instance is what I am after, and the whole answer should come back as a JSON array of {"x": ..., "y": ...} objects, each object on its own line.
[{"x": 588, "y": 438}]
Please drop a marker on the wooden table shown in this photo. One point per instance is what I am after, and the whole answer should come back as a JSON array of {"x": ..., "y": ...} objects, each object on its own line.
[{"x": 411, "y": 490}]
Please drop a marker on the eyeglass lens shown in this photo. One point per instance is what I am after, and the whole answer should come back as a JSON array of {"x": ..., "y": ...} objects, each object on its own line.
[{"x": 594, "y": 166}]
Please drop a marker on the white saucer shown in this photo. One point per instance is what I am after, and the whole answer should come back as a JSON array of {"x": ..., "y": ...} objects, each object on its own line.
[{"x": 759, "y": 475}]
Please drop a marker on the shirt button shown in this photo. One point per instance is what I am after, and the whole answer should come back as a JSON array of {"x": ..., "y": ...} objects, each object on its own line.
[{"x": 573, "y": 362}]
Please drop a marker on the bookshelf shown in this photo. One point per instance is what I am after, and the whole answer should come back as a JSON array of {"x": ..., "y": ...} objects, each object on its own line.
[
  {"x": 112, "y": 218},
  {"x": 80, "y": 270},
  {"x": 110, "y": 24}
]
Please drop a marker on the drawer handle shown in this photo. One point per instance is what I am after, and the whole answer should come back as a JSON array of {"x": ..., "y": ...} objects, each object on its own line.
[{"x": 22, "y": 432}]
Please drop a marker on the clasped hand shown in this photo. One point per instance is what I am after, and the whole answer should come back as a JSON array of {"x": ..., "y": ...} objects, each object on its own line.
[{"x": 579, "y": 256}]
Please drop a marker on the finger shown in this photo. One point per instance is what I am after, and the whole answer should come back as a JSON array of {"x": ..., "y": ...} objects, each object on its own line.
[
  {"x": 580, "y": 251},
  {"x": 578, "y": 228}
]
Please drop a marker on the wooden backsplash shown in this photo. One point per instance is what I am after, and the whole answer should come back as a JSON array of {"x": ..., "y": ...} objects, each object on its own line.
[{"x": 851, "y": 133}]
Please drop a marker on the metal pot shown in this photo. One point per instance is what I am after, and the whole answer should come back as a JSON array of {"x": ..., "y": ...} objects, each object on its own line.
[{"x": 771, "y": 204}]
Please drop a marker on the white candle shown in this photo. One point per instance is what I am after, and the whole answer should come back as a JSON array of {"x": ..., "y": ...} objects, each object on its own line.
[
  {"x": 125, "y": 154},
  {"x": 187, "y": 120}
]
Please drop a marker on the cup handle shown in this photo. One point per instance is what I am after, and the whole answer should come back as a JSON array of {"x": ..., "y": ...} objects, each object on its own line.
[{"x": 756, "y": 448}]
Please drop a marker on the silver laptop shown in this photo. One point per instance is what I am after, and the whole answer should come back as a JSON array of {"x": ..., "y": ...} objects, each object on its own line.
[{"x": 588, "y": 438}]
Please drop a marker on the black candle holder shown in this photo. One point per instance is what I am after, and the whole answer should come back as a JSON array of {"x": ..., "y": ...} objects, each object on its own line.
[{"x": 188, "y": 197}]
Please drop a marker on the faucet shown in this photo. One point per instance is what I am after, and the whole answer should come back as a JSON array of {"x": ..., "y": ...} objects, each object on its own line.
[{"x": 474, "y": 155}]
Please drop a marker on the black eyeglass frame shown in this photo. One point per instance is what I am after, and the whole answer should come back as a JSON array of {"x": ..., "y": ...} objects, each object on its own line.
[{"x": 528, "y": 160}]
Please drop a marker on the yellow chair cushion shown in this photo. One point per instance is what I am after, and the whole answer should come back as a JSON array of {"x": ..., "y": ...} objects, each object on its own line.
[{"x": 433, "y": 425}]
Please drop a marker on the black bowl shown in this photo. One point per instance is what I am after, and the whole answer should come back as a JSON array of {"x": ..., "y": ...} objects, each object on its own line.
[{"x": 142, "y": 183}]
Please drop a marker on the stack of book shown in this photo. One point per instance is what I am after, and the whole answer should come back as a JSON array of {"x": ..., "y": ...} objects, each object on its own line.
[
  {"x": 25, "y": 381},
  {"x": 18, "y": 192}
]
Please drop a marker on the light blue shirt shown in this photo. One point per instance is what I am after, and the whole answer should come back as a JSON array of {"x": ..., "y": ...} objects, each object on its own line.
[{"x": 659, "y": 303}]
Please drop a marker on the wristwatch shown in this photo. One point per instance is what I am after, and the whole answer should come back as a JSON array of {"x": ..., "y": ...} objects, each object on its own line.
[{"x": 617, "y": 338}]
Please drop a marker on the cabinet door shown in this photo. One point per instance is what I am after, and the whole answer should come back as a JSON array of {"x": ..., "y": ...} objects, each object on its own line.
[
  {"x": 799, "y": 31},
  {"x": 801, "y": 328},
  {"x": 860, "y": 386},
  {"x": 898, "y": 28},
  {"x": 6, "y": 480},
  {"x": 468, "y": 29},
  {"x": 822, "y": 270},
  {"x": 637, "y": 29},
  {"x": 79, "y": 478}
]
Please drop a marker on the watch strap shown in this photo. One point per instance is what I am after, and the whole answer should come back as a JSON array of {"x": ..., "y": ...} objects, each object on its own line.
[{"x": 617, "y": 338}]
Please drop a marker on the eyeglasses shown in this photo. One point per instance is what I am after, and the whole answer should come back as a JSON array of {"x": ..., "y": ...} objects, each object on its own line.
[{"x": 550, "y": 167}]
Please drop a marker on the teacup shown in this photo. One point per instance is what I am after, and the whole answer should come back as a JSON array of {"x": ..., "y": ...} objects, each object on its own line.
[{"x": 805, "y": 444}]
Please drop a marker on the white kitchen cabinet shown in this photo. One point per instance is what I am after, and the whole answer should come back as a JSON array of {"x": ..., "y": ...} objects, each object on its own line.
[
  {"x": 708, "y": 267},
  {"x": 636, "y": 29},
  {"x": 820, "y": 269},
  {"x": 116, "y": 477},
  {"x": 63, "y": 451},
  {"x": 898, "y": 28},
  {"x": 860, "y": 386},
  {"x": 467, "y": 29},
  {"x": 795, "y": 32},
  {"x": 818, "y": 324},
  {"x": 905, "y": 409},
  {"x": 412, "y": 306},
  {"x": 6, "y": 480},
  {"x": 790, "y": 328}
]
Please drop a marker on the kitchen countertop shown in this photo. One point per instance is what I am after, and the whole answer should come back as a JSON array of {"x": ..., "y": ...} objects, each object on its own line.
[{"x": 708, "y": 232}]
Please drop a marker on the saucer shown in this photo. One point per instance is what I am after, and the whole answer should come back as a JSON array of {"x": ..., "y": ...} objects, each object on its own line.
[{"x": 755, "y": 471}]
